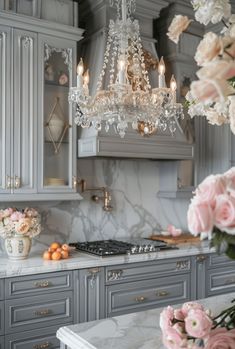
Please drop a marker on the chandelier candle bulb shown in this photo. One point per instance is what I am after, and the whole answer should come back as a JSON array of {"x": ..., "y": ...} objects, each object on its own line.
[
  {"x": 80, "y": 70},
  {"x": 122, "y": 71},
  {"x": 161, "y": 71}
]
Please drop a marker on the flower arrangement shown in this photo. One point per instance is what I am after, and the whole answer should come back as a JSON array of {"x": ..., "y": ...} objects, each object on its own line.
[
  {"x": 213, "y": 95},
  {"x": 193, "y": 327},
  {"x": 14, "y": 222},
  {"x": 211, "y": 213}
]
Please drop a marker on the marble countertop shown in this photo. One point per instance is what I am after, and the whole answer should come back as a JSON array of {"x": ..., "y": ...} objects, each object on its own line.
[
  {"x": 36, "y": 265},
  {"x": 132, "y": 331}
]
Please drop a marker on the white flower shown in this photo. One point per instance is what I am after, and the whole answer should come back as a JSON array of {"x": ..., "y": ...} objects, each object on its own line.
[
  {"x": 177, "y": 26},
  {"x": 211, "y": 10},
  {"x": 208, "y": 49},
  {"x": 215, "y": 118}
]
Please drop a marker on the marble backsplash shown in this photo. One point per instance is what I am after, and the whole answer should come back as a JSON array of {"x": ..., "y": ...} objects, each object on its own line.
[{"x": 137, "y": 211}]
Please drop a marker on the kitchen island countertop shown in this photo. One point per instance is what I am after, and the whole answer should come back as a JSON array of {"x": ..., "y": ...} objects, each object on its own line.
[
  {"x": 132, "y": 331},
  {"x": 35, "y": 264}
]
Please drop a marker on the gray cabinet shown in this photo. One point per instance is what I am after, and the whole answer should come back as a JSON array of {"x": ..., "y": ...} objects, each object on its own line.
[
  {"x": 141, "y": 286},
  {"x": 1, "y": 318},
  {"x": 36, "y": 339},
  {"x": 1, "y": 342},
  {"x": 18, "y": 123},
  {"x": 1, "y": 289},
  {"x": 31, "y": 161},
  {"x": 92, "y": 295}
]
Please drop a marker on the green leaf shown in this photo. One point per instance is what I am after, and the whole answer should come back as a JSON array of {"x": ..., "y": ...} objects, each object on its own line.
[{"x": 230, "y": 252}]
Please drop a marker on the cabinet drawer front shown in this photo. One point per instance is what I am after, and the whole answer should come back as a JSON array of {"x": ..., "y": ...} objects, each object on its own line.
[
  {"x": 141, "y": 295},
  {"x": 146, "y": 270},
  {"x": 36, "y": 339},
  {"x": 1, "y": 289},
  {"x": 1, "y": 318},
  {"x": 215, "y": 260},
  {"x": 38, "y": 311},
  {"x": 38, "y": 284},
  {"x": 220, "y": 281}
]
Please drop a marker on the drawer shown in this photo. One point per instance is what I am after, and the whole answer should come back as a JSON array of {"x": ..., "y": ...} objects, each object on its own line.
[
  {"x": 220, "y": 280},
  {"x": 147, "y": 270},
  {"x": 1, "y": 318},
  {"x": 216, "y": 260},
  {"x": 38, "y": 311},
  {"x": 142, "y": 295},
  {"x": 36, "y": 339},
  {"x": 1, "y": 342},
  {"x": 38, "y": 284}
]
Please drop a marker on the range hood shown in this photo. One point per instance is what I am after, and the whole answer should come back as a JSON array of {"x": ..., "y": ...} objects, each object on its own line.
[{"x": 91, "y": 143}]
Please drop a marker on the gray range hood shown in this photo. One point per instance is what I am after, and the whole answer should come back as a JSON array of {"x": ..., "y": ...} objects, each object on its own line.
[{"x": 96, "y": 15}]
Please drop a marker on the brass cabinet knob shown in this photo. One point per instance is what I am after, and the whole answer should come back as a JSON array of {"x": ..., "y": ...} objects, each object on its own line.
[
  {"x": 8, "y": 182},
  {"x": 140, "y": 299},
  {"x": 42, "y": 346},
  {"x": 201, "y": 258},
  {"x": 42, "y": 312},
  {"x": 162, "y": 294},
  {"x": 17, "y": 182},
  {"x": 42, "y": 284}
]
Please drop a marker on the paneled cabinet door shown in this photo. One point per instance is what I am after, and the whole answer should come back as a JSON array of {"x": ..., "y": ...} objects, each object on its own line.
[
  {"x": 57, "y": 137},
  {"x": 25, "y": 111},
  {"x": 5, "y": 113},
  {"x": 92, "y": 302}
]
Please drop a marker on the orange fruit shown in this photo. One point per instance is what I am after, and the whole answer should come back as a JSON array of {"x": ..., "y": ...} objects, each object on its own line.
[
  {"x": 56, "y": 256},
  {"x": 64, "y": 254},
  {"x": 65, "y": 247},
  {"x": 51, "y": 249},
  {"x": 46, "y": 255},
  {"x": 59, "y": 249},
  {"x": 55, "y": 245}
]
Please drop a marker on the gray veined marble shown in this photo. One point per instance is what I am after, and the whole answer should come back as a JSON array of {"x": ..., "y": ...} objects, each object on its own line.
[
  {"x": 132, "y": 331},
  {"x": 138, "y": 212}
]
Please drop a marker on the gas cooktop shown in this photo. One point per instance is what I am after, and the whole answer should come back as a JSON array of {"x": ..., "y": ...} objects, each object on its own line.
[{"x": 115, "y": 247}]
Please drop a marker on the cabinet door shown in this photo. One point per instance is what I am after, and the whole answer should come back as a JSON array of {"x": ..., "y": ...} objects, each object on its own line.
[
  {"x": 25, "y": 111},
  {"x": 57, "y": 132},
  {"x": 91, "y": 294},
  {"x": 5, "y": 111}
]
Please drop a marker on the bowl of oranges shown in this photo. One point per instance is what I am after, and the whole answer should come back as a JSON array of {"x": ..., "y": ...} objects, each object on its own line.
[{"x": 56, "y": 251}]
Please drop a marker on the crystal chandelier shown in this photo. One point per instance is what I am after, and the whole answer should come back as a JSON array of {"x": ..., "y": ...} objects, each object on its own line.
[{"x": 129, "y": 97}]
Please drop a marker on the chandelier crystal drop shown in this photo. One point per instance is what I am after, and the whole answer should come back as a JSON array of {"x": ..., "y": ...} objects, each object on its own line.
[{"x": 129, "y": 98}]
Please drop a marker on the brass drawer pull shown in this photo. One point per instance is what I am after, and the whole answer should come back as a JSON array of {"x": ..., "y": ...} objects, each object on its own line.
[
  {"x": 42, "y": 284},
  {"x": 140, "y": 299},
  {"x": 162, "y": 294},
  {"x": 42, "y": 312},
  {"x": 42, "y": 346}
]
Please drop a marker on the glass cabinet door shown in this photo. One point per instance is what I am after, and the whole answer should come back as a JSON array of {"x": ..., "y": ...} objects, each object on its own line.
[{"x": 58, "y": 137}]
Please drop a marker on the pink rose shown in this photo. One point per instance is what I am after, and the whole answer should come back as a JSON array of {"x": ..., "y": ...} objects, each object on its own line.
[
  {"x": 210, "y": 90},
  {"x": 31, "y": 212},
  {"x": 230, "y": 178},
  {"x": 197, "y": 323},
  {"x": 179, "y": 314},
  {"x": 221, "y": 338},
  {"x": 23, "y": 226},
  {"x": 209, "y": 48},
  {"x": 177, "y": 26},
  {"x": 200, "y": 219},
  {"x": 225, "y": 213},
  {"x": 172, "y": 339},
  {"x": 16, "y": 216},
  {"x": 189, "y": 306},
  {"x": 173, "y": 230},
  {"x": 217, "y": 70},
  {"x": 209, "y": 189},
  {"x": 7, "y": 212},
  {"x": 166, "y": 317}
]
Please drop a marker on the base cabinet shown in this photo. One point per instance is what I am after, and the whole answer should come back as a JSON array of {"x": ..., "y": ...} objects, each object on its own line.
[
  {"x": 36, "y": 339},
  {"x": 1, "y": 342}
]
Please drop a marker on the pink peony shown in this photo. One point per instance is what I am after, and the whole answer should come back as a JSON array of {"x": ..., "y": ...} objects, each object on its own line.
[
  {"x": 200, "y": 219},
  {"x": 208, "y": 190},
  {"x": 172, "y": 339},
  {"x": 190, "y": 305},
  {"x": 177, "y": 26},
  {"x": 217, "y": 70},
  {"x": 221, "y": 338},
  {"x": 16, "y": 216},
  {"x": 7, "y": 212},
  {"x": 179, "y": 314},
  {"x": 23, "y": 226},
  {"x": 166, "y": 318},
  {"x": 209, "y": 48},
  {"x": 197, "y": 323},
  {"x": 225, "y": 213}
]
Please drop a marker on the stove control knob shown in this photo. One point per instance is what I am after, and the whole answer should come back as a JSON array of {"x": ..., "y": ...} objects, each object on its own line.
[
  {"x": 133, "y": 250},
  {"x": 151, "y": 248},
  {"x": 141, "y": 249},
  {"x": 146, "y": 248}
]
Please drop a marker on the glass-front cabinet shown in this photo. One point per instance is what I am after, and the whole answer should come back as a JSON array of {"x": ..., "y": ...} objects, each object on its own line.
[{"x": 57, "y": 160}]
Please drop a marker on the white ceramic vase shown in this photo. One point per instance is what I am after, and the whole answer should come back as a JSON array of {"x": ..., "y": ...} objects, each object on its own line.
[{"x": 18, "y": 247}]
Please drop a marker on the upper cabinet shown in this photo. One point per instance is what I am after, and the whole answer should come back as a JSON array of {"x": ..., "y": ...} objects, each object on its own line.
[{"x": 37, "y": 133}]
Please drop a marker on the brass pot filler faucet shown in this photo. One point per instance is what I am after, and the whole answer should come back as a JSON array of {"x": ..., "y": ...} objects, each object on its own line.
[{"x": 106, "y": 197}]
